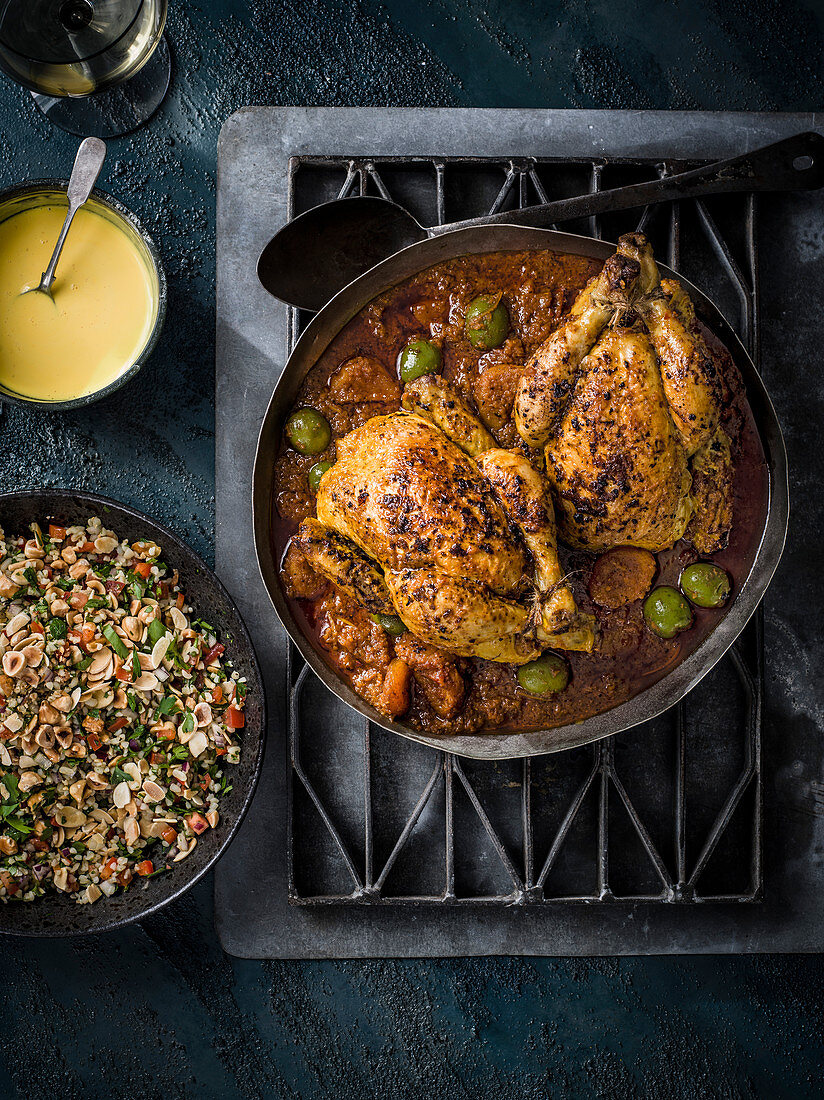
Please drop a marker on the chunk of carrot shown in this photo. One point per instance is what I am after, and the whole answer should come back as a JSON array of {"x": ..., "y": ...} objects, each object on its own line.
[{"x": 396, "y": 683}]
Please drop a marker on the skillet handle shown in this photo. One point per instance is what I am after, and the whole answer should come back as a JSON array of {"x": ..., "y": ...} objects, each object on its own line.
[{"x": 794, "y": 164}]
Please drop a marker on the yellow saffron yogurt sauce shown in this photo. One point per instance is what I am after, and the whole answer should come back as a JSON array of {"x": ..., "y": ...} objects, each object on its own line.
[{"x": 104, "y": 308}]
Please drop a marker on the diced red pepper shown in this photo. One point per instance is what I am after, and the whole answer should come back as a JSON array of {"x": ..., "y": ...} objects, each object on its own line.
[
  {"x": 108, "y": 868},
  {"x": 93, "y": 741},
  {"x": 118, "y": 724},
  {"x": 115, "y": 587},
  {"x": 235, "y": 719},
  {"x": 197, "y": 823},
  {"x": 221, "y": 750},
  {"x": 217, "y": 693},
  {"x": 179, "y": 602},
  {"x": 168, "y": 834},
  {"x": 87, "y": 633},
  {"x": 125, "y": 877},
  {"x": 87, "y": 547},
  {"x": 56, "y": 533},
  {"x": 143, "y": 569},
  {"x": 37, "y": 628},
  {"x": 213, "y": 653},
  {"x": 122, "y": 672},
  {"x": 167, "y": 734},
  {"x": 145, "y": 868}
]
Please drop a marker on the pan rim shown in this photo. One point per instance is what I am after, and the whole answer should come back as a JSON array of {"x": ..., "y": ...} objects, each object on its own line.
[{"x": 648, "y": 703}]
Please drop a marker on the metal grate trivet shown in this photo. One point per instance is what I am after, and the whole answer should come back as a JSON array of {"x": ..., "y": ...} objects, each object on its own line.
[
  {"x": 608, "y": 835},
  {"x": 360, "y": 843}
]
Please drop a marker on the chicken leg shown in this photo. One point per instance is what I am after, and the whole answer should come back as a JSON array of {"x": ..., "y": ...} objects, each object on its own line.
[
  {"x": 694, "y": 392},
  {"x": 549, "y": 377},
  {"x": 434, "y": 399},
  {"x": 340, "y": 561},
  {"x": 525, "y": 499},
  {"x": 688, "y": 372}
]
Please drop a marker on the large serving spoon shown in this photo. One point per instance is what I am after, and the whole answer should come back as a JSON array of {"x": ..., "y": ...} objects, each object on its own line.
[
  {"x": 87, "y": 165},
  {"x": 314, "y": 256}
]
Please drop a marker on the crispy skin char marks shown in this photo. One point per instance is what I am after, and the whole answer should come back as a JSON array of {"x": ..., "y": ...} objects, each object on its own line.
[
  {"x": 525, "y": 498},
  {"x": 643, "y": 402},
  {"x": 337, "y": 559},
  {"x": 416, "y": 503},
  {"x": 408, "y": 497},
  {"x": 617, "y": 466},
  {"x": 712, "y": 492},
  {"x": 461, "y": 615},
  {"x": 688, "y": 371},
  {"x": 550, "y": 375},
  {"x": 436, "y": 400}
]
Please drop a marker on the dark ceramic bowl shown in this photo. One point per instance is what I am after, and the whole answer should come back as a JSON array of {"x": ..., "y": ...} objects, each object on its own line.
[
  {"x": 57, "y": 914},
  {"x": 25, "y": 196}
]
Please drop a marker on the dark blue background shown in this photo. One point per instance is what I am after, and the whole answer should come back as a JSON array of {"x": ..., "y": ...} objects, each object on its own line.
[{"x": 158, "y": 1009}]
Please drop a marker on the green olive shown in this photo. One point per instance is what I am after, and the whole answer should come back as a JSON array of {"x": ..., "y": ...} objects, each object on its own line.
[
  {"x": 705, "y": 584},
  {"x": 308, "y": 431},
  {"x": 666, "y": 611},
  {"x": 419, "y": 357},
  {"x": 315, "y": 473},
  {"x": 487, "y": 322},
  {"x": 392, "y": 624},
  {"x": 549, "y": 673}
]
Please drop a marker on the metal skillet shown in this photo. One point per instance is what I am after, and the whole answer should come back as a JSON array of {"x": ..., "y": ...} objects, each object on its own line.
[{"x": 498, "y": 745}]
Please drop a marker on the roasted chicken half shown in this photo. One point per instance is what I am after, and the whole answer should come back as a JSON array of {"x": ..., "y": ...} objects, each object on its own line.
[
  {"x": 625, "y": 400},
  {"x": 416, "y": 519}
]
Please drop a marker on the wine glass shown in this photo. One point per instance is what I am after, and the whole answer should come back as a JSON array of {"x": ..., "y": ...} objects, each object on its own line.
[{"x": 94, "y": 67}]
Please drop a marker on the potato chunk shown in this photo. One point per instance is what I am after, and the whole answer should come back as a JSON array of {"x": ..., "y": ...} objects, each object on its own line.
[{"x": 621, "y": 575}]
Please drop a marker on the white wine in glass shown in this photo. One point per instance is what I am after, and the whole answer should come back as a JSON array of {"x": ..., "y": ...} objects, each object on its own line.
[{"x": 97, "y": 67}]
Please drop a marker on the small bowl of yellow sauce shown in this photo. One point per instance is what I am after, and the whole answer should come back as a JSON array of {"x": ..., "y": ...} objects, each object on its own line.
[{"x": 109, "y": 297}]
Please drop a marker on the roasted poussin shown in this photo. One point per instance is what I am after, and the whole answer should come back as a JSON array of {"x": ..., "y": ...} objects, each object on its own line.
[
  {"x": 406, "y": 511},
  {"x": 625, "y": 401}
]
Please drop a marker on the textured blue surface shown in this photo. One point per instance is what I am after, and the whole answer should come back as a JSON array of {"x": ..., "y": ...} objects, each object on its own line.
[{"x": 158, "y": 1009}]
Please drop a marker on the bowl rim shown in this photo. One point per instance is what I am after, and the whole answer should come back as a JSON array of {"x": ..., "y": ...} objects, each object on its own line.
[
  {"x": 97, "y": 500},
  {"x": 33, "y": 187}
]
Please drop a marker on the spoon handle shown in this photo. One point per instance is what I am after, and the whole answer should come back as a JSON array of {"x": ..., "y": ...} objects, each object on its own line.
[
  {"x": 795, "y": 164},
  {"x": 87, "y": 165}
]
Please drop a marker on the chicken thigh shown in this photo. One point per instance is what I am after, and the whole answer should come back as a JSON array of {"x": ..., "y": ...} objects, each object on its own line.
[
  {"x": 416, "y": 519},
  {"x": 624, "y": 398}
]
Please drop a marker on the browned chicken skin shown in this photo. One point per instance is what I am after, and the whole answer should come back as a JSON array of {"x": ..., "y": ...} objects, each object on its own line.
[
  {"x": 625, "y": 400},
  {"x": 410, "y": 523}
]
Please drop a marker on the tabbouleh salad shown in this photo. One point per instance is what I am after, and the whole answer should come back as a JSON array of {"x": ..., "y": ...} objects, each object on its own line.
[{"x": 117, "y": 715}]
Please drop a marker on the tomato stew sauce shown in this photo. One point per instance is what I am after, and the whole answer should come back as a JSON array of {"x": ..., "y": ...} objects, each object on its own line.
[{"x": 456, "y": 695}]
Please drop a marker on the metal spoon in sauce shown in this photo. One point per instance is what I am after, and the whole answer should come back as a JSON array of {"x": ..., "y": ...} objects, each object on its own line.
[
  {"x": 87, "y": 165},
  {"x": 318, "y": 253}
]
